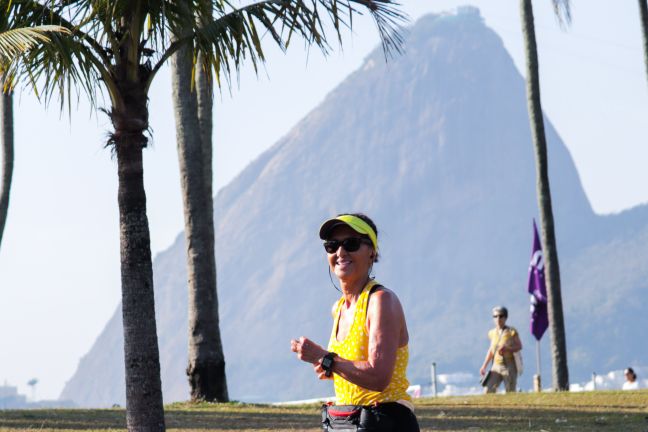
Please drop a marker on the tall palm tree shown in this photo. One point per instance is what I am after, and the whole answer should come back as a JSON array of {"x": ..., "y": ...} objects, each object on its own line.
[
  {"x": 643, "y": 14},
  {"x": 552, "y": 270},
  {"x": 117, "y": 47},
  {"x": 13, "y": 43},
  {"x": 206, "y": 363},
  {"x": 6, "y": 152},
  {"x": 192, "y": 95}
]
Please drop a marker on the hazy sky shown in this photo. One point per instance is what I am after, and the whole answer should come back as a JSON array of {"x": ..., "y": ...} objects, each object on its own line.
[{"x": 59, "y": 261}]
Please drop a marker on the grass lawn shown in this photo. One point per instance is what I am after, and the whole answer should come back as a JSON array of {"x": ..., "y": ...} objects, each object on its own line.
[{"x": 604, "y": 411}]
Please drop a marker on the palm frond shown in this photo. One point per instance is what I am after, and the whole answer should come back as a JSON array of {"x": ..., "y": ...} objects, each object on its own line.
[
  {"x": 226, "y": 36},
  {"x": 15, "y": 42},
  {"x": 562, "y": 9},
  {"x": 66, "y": 68},
  {"x": 390, "y": 21},
  {"x": 74, "y": 61},
  {"x": 77, "y": 16},
  {"x": 92, "y": 55}
]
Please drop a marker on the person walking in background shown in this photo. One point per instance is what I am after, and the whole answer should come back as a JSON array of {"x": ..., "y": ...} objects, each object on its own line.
[
  {"x": 368, "y": 349},
  {"x": 504, "y": 342},
  {"x": 631, "y": 382}
]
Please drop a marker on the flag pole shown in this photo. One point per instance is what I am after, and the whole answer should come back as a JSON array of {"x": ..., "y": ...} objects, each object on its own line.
[
  {"x": 538, "y": 356},
  {"x": 538, "y": 290},
  {"x": 537, "y": 381}
]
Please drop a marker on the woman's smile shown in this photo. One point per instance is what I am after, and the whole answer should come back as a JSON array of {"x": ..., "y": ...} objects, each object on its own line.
[{"x": 343, "y": 263}]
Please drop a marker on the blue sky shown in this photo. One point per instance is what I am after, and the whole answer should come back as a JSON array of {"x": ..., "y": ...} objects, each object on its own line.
[{"x": 59, "y": 261}]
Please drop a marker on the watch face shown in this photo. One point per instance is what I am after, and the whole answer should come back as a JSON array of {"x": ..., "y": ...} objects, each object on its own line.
[{"x": 327, "y": 362}]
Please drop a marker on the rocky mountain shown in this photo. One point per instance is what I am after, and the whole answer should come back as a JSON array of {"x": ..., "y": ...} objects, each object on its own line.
[{"x": 436, "y": 147}]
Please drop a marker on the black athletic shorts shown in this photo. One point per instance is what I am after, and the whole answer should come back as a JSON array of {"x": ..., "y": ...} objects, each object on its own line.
[{"x": 392, "y": 417}]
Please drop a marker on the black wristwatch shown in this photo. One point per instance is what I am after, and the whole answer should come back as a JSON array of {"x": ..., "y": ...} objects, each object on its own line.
[{"x": 327, "y": 363}]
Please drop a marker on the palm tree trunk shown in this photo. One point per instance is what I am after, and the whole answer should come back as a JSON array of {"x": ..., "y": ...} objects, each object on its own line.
[
  {"x": 206, "y": 368},
  {"x": 216, "y": 387},
  {"x": 7, "y": 154},
  {"x": 144, "y": 409},
  {"x": 205, "y": 93},
  {"x": 643, "y": 13},
  {"x": 552, "y": 271}
]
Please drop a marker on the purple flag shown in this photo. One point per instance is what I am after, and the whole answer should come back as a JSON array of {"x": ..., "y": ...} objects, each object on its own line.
[{"x": 537, "y": 289}]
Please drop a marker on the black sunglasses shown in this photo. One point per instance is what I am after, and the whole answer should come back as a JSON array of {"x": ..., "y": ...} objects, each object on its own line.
[
  {"x": 499, "y": 316},
  {"x": 350, "y": 244}
]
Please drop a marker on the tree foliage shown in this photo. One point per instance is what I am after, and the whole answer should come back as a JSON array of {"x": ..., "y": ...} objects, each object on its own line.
[
  {"x": 226, "y": 36},
  {"x": 14, "y": 42}
]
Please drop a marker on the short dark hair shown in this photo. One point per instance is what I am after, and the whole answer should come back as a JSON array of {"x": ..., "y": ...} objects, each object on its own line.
[{"x": 500, "y": 310}]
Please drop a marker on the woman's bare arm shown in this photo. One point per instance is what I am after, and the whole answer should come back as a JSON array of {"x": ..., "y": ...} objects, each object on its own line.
[
  {"x": 489, "y": 357},
  {"x": 386, "y": 322}
]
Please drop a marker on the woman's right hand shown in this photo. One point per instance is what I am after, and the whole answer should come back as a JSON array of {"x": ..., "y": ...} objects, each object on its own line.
[
  {"x": 307, "y": 350},
  {"x": 320, "y": 372},
  {"x": 482, "y": 371}
]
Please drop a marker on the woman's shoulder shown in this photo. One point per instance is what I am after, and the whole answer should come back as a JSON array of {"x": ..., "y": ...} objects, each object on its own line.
[
  {"x": 381, "y": 293},
  {"x": 384, "y": 299}
]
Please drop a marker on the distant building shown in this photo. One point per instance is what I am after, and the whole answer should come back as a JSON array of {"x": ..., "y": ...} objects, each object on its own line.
[{"x": 10, "y": 399}]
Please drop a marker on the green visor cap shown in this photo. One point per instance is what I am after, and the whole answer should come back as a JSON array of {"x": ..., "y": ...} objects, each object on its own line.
[{"x": 357, "y": 224}]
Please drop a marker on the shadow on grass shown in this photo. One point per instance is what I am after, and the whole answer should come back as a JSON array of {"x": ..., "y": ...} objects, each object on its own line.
[
  {"x": 432, "y": 417},
  {"x": 532, "y": 419},
  {"x": 75, "y": 419},
  {"x": 21, "y": 420}
]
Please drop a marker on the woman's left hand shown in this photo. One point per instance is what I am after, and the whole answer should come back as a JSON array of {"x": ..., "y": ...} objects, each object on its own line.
[{"x": 307, "y": 350}]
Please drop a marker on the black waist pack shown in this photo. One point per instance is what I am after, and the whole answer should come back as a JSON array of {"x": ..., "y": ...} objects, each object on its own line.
[
  {"x": 356, "y": 418},
  {"x": 341, "y": 417}
]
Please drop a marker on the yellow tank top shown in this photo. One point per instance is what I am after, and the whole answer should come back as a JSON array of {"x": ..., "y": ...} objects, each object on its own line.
[
  {"x": 494, "y": 336},
  {"x": 355, "y": 347}
]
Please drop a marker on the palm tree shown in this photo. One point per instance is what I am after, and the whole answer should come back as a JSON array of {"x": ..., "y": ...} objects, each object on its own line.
[
  {"x": 117, "y": 47},
  {"x": 552, "y": 270},
  {"x": 6, "y": 152},
  {"x": 192, "y": 96},
  {"x": 643, "y": 14},
  {"x": 206, "y": 363},
  {"x": 13, "y": 43}
]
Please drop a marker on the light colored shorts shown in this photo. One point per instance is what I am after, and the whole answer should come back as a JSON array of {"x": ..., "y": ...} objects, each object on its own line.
[{"x": 506, "y": 373}]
